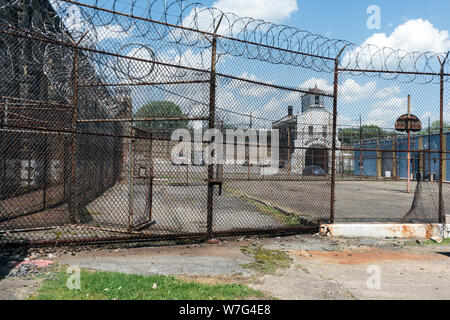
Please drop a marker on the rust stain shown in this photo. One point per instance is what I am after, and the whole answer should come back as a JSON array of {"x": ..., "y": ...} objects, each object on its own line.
[
  {"x": 407, "y": 232},
  {"x": 429, "y": 231},
  {"x": 362, "y": 256}
]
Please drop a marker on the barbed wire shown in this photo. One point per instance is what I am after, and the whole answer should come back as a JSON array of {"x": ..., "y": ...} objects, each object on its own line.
[{"x": 190, "y": 24}]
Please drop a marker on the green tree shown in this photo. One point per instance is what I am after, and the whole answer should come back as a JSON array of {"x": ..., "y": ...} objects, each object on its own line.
[
  {"x": 161, "y": 109},
  {"x": 347, "y": 135},
  {"x": 434, "y": 128}
]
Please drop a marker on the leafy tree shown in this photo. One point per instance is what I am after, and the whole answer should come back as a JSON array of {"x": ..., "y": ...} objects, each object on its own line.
[
  {"x": 346, "y": 135},
  {"x": 434, "y": 128},
  {"x": 161, "y": 109}
]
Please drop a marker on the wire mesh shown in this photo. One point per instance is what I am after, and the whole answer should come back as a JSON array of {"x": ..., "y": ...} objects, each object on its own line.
[{"x": 125, "y": 122}]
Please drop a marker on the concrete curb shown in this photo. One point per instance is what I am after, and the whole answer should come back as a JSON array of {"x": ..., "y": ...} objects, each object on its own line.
[{"x": 381, "y": 230}]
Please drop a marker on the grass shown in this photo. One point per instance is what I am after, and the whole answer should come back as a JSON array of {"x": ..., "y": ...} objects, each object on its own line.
[
  {"x": 266, "y": 260},
  {"x": 96, "y": 285},
  {"x": 428, "y": 242},
  {"x": 278, "y": 215}
]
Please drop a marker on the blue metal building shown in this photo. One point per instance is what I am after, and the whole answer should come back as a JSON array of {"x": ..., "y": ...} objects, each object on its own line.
[{"x": 388, "y": 157}]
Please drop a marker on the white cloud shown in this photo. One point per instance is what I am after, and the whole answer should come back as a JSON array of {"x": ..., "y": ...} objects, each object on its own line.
[
  {"x": 385, "y": 103},
  {"x": 202, "y": 18},
  {"x": 322, "y": 84},
  {"x": 388, "y": 92},
  {"x": 248, "y": 89},
  {"x": 417, "y": 35},
  {"x": 270, "y": 108},
  {"x": 393, "y": 102},
  {"x": 349, "y": 91},
  {"x": 114, "y": 31},
  {"x": 344, "y": 121},
  {"x": 259, "y": 9},
  {"x": 413, "y": 35},
  {"x": 187, "y": 58},
  {"x": 352, "y": 91},
  {"x": 386, "y": 111},
  {"x": 426, "y": 115}
]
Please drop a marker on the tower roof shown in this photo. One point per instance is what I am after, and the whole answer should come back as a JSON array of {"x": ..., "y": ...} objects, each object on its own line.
[{"x": 316, "y": 90}]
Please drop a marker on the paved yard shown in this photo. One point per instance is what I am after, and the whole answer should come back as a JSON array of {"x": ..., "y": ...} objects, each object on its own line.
[
  {"x": 180, "y": 203},
  {"x": 356, "y": 201}
]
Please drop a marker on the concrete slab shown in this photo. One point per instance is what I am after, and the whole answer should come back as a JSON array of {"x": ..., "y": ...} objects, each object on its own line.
[{"x": 213, "y": 260}]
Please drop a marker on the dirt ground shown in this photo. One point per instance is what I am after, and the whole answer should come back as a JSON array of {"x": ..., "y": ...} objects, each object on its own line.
[{"x": 320, "y": 267}]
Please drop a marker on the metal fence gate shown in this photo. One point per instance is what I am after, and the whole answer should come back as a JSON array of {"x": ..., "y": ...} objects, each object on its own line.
[{"x": 125, "y": 123}]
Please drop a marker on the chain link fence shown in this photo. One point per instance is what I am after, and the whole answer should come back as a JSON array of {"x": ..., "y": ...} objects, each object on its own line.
[{"x": 129, "y": 123}]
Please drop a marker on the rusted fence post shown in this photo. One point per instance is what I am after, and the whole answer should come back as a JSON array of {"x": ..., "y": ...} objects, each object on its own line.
[
  {"x": 45, "y": 173},
  {"x": 131, "y": 157},
  {"x": 413, "y": 157},
  {"x": 394, "y": 165},
  {"x": 4, "y": 137},
  {"x": 289, "y": 154},
  {"x": 150, "y": 200},
  {"x": 334, "y": 135},
  {"x": 441, "y": 140},
  {"x": 73, "y": 193},
  {"x": 211, "y": 125},
  {"x": 361, "y": 158}
]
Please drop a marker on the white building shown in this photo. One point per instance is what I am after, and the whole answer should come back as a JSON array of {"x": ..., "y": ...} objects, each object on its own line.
[{"x": 313, "y": 133}]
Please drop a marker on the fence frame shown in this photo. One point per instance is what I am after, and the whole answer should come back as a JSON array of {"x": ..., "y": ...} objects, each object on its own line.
[{"x": 212, "y": 181}]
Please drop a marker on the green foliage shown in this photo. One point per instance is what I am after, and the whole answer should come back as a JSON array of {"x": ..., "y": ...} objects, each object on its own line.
[
  {"x": 428, "y": 242},
  {"x": 120, "y": 286},
  {"x": 161, "y": 109},
  {"x": 435, "y": 128},
  {"x": 346, "y": 135}
]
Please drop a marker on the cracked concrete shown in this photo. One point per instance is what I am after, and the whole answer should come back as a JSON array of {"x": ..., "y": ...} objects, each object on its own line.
[{"x": 321, "y": 268}]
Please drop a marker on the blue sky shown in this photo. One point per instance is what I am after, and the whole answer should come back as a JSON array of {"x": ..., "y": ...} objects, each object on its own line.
[
  {"x": 409, "y": 25},
  {"x": 346, "y": 19}
]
